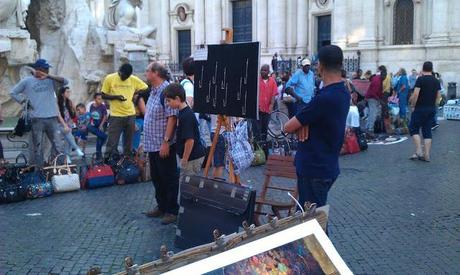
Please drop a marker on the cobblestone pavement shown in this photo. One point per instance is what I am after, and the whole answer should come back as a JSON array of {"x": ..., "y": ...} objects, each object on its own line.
[{"x": 389, "y": 215}]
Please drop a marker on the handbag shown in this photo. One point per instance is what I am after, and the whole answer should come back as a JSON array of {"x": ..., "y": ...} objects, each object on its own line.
[
  {"x": 362, "y": 141},
  {"x": 64, "y": 182},
  {"x": 11, "y": 190},
  {"x": 259, "y": 156},
  {"x": 239, "y": 149},
  {"x": 98, "y": 175},
  {"x": 35, "y": 184},
  {"x": 350, "y": 144},
  {"x": 24, "y": 123},
  {"x": 127, "y": 171}
]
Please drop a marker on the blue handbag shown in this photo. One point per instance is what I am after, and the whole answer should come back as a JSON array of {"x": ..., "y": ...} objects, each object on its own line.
[
  {"x": 35, "y": 184},
  {"x": 127, "y": 171}
]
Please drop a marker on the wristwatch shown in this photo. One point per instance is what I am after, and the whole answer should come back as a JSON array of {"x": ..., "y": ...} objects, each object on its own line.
[{"x": 166, "y": 140}]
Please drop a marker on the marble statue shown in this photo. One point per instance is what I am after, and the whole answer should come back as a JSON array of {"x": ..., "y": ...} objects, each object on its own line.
[
  {"x": 13, "y": 13},
  {"x": 122, "y": 15}
]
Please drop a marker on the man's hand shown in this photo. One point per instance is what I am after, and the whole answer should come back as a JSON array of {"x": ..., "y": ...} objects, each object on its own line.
[
  {"x": 40, "y": 75},
  {"x": 302, "y": 133},
  {"x": 121, "y": 98},
  {"x": 164, "y": 150}
]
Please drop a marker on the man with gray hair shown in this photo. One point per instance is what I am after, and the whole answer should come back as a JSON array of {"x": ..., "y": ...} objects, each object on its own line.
[
  {"x": 38, "y": 91},
  {"x": 159, "y": 141}
]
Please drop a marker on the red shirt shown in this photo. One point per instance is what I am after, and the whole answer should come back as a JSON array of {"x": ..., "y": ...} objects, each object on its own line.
[
  {"x": 266, "y": 92},
  {"x": 375, "y": 90}
]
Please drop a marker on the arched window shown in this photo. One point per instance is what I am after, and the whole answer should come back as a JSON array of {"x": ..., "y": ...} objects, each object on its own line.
[{"x": 403, "y": 23}]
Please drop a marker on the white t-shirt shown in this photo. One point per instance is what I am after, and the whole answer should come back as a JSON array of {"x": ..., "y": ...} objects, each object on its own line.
[{"x": 188, "y": 87}]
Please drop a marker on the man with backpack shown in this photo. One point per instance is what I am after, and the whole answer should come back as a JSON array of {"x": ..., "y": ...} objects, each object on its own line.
[{"x": 159, "y": 125}]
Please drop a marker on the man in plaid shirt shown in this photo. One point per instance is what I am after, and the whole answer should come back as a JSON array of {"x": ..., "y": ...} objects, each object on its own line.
[{"x": 159, "y": 125}]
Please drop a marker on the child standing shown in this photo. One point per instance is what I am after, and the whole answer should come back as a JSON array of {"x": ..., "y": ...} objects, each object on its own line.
[
  {"x": 98, "y": 112},
  {"x": 189, "y": 148}
]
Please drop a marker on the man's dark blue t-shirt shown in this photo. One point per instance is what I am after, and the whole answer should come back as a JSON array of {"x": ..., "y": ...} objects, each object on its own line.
[{"x": 326, "y": 114}]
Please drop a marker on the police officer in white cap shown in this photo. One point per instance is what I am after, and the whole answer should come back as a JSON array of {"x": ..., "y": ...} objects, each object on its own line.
[{"x": 303, "y": 83}]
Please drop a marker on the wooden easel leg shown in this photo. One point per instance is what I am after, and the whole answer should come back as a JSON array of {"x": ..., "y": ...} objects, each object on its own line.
[{"x": 213, "y": 147}]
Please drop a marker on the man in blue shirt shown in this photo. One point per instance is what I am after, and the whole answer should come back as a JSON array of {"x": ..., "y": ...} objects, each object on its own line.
[
  {"x": 320, "y": 127},
  {"x": 303, "y": 82}
]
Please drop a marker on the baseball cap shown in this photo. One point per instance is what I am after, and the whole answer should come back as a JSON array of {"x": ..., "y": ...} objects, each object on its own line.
[
  {"x": 306, "y": 62},
  {"x": 42, "y": 63}
]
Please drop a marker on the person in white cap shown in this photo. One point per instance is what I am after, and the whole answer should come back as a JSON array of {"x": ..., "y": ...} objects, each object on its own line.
[{"x": 303, "y": 83}]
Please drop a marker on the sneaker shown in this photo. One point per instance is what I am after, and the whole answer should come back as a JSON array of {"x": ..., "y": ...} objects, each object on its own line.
[
  {"x": 168, "y": 219},
  {"x": 436, "y": 126},
  {"x": 80, "y": 152},
  {"x": 155, "y": 213}
]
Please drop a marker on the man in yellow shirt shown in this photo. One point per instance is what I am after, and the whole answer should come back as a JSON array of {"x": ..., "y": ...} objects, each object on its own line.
[{"x": 119, "y": 88}]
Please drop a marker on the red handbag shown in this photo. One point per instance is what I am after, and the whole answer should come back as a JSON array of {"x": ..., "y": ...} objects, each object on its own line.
[
  {"x": 98, "y": 175},
  {"x": 350, "y": 144}
]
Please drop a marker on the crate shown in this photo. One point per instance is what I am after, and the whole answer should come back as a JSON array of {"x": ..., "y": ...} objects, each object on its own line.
[{"x": 451, "y": 112}]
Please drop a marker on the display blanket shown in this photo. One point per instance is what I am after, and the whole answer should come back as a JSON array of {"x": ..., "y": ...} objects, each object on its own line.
[{"x": 227, "y": 79}]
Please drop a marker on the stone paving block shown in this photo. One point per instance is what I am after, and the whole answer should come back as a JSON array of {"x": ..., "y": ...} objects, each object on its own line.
[{"x": 388, "y": 215}]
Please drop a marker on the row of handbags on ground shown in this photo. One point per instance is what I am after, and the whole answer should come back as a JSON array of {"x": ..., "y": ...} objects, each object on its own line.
[{"x": 20, "y": 181}]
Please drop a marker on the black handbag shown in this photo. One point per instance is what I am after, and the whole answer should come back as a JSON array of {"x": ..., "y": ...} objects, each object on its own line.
[
  {"x": 10, "y": 188},
  {"x": 24, "y": 123},
  {"x": 209, "y": 204}
]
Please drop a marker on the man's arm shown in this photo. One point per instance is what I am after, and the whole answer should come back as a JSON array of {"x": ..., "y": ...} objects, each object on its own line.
[
  {"x": 292, "y": 83},
  {"x": 413, "y": 99},
  {"x": 171, "y": 125},
  {"x": 17, "y": 92},
  {"x": 113, "y": 97}
]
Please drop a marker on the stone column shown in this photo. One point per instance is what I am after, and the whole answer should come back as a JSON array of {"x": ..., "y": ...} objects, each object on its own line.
[
  {"x": 277, "y": 29},
  {"x": 262, "y": 24},
  {"x": 302, "y": 27},
  {"x": 291, "y": 26},
  {"x": 339, "y": 23},
  {"x": 369, "y": 22},
  {"x": 198, "y": 23},
  {"x": 165, "y": 31},
  {"x": 439, "y": 22},
  {"x": 213, "y": 21}
]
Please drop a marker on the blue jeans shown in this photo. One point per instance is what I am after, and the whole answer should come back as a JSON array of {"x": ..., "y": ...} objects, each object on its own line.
[
  {"x": 139, "y": 126},
  {"x": 101, "y": 137},
  {"x": 403, "y": 105},
  {"x": 313, "y": 190}
]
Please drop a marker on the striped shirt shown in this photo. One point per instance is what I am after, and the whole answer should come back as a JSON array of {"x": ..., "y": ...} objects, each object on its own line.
[{"x": 156, "y": 119}]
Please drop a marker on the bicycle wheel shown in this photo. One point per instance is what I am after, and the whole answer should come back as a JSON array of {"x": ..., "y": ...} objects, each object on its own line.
[{"x": 276, "y": 124}]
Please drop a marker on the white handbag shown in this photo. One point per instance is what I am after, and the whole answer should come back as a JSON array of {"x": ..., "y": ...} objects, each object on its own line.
[{"x": 64, "y": 182}]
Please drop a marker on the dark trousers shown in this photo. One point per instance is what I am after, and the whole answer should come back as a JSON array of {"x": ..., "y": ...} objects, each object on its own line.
[
  {"x": 260, "y": 127},
  {"x": 118, "y": 125},
  {"x": 101, "y": 137},
  {"x": 165, "y": 178},
  {"x": 313, "y": 190}
]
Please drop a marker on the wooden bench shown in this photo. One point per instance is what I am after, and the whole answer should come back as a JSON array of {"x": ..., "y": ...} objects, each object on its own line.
[{"x": 279, "y": 167}]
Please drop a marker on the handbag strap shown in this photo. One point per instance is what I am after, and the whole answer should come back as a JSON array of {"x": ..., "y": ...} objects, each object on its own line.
[
  {"x": 66, "y": 163},
  {"x": 21, "y": 155}
]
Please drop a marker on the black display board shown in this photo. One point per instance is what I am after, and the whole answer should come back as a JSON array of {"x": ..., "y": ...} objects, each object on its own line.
[{"x": 227, "y": 80}]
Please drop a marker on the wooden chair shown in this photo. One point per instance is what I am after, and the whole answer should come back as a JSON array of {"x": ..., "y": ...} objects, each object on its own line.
[{"x": 280, "y": 167}]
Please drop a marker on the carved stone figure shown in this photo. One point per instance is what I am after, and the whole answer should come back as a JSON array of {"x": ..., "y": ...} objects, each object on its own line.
[
  {"x": 13, "y": 13},
  {"x": 122, "y": 15}
]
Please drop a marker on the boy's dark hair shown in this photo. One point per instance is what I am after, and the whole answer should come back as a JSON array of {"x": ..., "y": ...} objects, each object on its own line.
[
  {"x": 331, "y": 58},
  {"x": 175, "y": 90},
  {"x": 81, "y": 105},
  {"x": 96, "y": 95},
  {"x": 188, "y": 66},
  {"x": 428, "y": 66},
  {"x": 126, "y": 69}
]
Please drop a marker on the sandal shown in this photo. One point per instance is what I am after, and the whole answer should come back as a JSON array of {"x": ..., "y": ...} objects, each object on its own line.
[{"x": 415, "y": 157}]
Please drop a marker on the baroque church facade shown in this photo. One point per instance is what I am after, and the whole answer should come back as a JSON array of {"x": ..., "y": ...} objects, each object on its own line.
[{"x": 395, "y": 33}]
